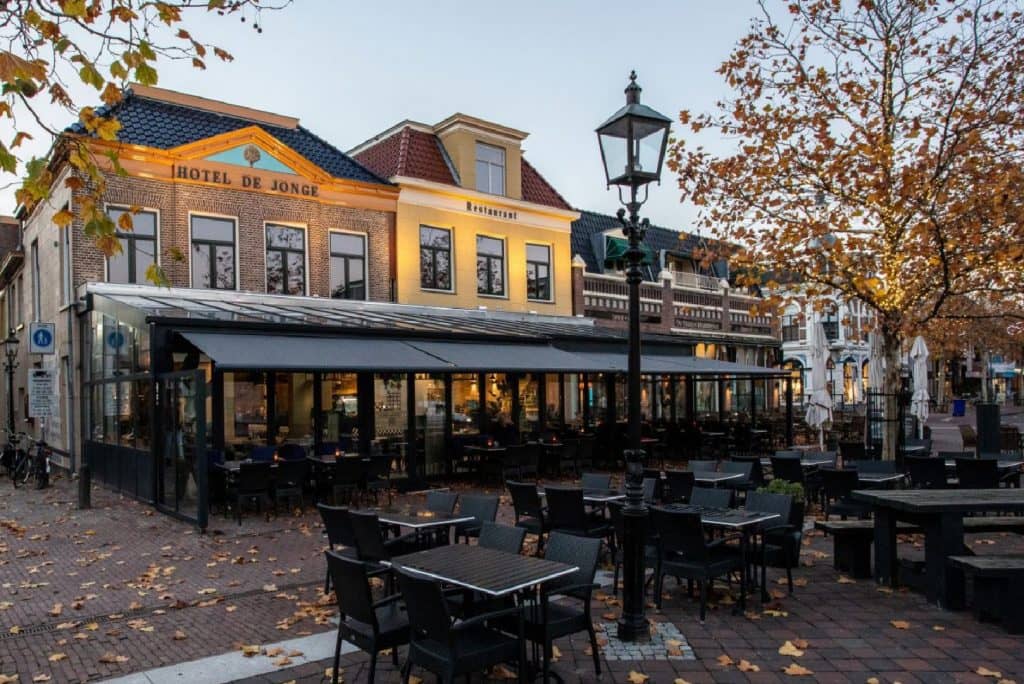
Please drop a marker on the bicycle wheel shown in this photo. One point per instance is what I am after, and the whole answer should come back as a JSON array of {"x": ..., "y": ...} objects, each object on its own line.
[{"x": 20, "y": 471}]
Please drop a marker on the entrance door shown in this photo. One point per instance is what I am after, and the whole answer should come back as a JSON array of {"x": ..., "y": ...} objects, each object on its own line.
[
  {"x": 430, "y": 423},
  {"x": 181, "y": 475}
]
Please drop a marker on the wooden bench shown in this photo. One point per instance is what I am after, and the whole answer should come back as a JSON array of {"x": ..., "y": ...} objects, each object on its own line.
[
  {"x": 998, "y": 588},
  {"x": 852, "y": 539}
]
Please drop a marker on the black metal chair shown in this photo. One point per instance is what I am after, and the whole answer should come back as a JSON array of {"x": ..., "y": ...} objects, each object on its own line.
[
  {"x": 566, "y": 513},
  {"x": 836, "y": 489},
  {"x": 251, "y": 484},
  {"x": 745, "y": 469},
  {"x": 483, "y": 508},
  {"x": 547, "y": 621},
  {"x": 340, "y": 535},
  {"x": 529, "y": 511},
  {"x": 619, "y": 527},
  {"x": 652, "y": 489},
  {"x": 290, "y": 481},
  {"x": 872, "y": 466},
  {"x": 980, "y": 473},
  {"x": 502, "y": 537},
  {"x": 371, "y": 625},
  {"x": 703, "y": 466},
  {"x": 756, "y": 476},
  {"x": 595, "y": 481},
  {"x": 291, "y": 452},
  {"x": 371, "y": 546},
  {"x": 926, "y": 472},
  {"x": 711, "y": 497},
  {"x": 852, "y": 451},
  {"x": 449, "y": 648},
  {"x": 442, "y": 501},
  {"x": 378, "y": 477},
  {"x": 780, "y": 547},
  {"x": 529, "y": 461},
  {"x": 568, "y": 459},
  {"x": 685, "y": 552},
  {"x": 678, "y": 486},
  {"x": 347, "y": 481}
]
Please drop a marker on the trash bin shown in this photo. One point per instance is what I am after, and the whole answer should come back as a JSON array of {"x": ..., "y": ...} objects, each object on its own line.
[{"x": 959, "y": 407}]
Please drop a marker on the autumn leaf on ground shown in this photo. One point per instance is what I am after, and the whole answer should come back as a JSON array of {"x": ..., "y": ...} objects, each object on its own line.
[
  {"x": 8, "y": 679},
  {"x": 900, "y": 624},
  {"x": 801, "y": 643},
  {"x": 724, "y": 660},
  {"x": 637, "y": 677},
  {"x": 57, "y": 609},
  {"x": 110, "y": 657},
  {"x": 269, "y": 587},
  {"x": 985, "y": 672},
  {"x": 283, "y": 661},
  {"x": 250, "y": 650},
  {"x": 274, "y": 652},
  {"x": 794, "y": 670},
  {"x": 938, "y": 628},
  {"x": 413, "y": 679},
  {"x": 57, "y": 657},
  {"x": 41, "y": 677},
  {"x": 747, "y": 666},
  {"x": 179, "y": 635},
  {"x": 772, "y": 612},
  {"x": 680, "y": 680},
  {"x": 502, "y": 672},
  {"x": 843, "y": 579},
  {"x": 555, "y": 654},
  {"x": 790, "y": 649}
]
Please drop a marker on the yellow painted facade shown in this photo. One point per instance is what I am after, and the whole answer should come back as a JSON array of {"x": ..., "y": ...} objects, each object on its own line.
[
  {"x": 460, "y": 134},
  {"x": 517, "y": 223}
]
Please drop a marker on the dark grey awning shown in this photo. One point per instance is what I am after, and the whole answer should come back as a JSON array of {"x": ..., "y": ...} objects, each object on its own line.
[
  {"x": 481, "y": 356},
  {"x": 297, "y": 352}
]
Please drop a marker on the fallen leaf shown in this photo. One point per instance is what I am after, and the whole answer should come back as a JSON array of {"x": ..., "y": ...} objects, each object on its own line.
[
  {"x": 801, "y": 643},
  {"x": 14, "y": 630},
  {"x": 985, "y": 672},
  {"x": 8, "y": 679},
  {"x": 42, "y": 677},
  {"x": 674, "y": 652},
  {"x": 790, "y": 649},
  {"x": 413, "y": 679},
  {"x": 680, "y": 680},
  {"x": 747, "y": 666},
  {"x": 771, "y": 612},
  {"x": 637, "y": 677},
  {"x": 283, "y": 661},
  {"x": 502, "y": 672},
  {"x": 555, "y": 654},
  {"x": 57, "y": 657},
  {"x": 724, "y": 660},
  {"x": 938, "y": 628},
  {"x": 900, "y": 624},
  {"x": 269, "y": 587},
  {"x": 209, "y": 590},
  {"x": 873, "y": 680},
  {"x": 57, "y": 609},
  {"x": 250, "y": 650},
  {"x": 843, "y": 579},
  {"x": 794, "y": 670},
  {"x": 109, "y": 657},
  {"x": 274, "y": 652},
  {"x": 179, "y": 635}
]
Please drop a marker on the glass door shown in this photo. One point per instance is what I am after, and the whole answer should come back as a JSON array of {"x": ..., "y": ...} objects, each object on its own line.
[
  {"x": 430, "y": 423},
  {"x": 182, "y": 475}
]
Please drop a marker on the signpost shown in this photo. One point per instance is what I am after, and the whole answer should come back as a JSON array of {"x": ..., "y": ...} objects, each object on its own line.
[
  {"x": 41, "y": 339},
  {"x": 42, "y": 388}
]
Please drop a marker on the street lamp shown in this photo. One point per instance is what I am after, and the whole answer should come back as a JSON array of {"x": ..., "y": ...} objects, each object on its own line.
[
  {"x": 633, "y": 145},
  {"x": 10, "y": 363}
]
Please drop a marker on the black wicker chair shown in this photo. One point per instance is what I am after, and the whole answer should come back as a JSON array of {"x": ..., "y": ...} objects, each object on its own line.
[
  {"x": 483, "y": 508},
  {"x": 710, "y": 497},
  {"x": 529, "y": 511},
  {"x": 251, "y": 485},
  {"x": 371, "y": 625},
  {"x": 782, "y": 538}
]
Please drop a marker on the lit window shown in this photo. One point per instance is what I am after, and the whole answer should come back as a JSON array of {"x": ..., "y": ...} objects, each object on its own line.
[{"x": 490, "y": 169}]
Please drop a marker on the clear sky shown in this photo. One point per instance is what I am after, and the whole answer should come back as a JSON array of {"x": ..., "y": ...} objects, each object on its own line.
[{"x": 553, "y": 68}]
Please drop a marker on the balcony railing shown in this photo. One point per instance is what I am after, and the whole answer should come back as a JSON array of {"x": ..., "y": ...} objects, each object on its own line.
[{"x": 697, "y": 304}]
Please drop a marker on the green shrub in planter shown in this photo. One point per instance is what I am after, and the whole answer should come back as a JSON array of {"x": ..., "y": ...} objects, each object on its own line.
[{"x": 780, "y": 486}]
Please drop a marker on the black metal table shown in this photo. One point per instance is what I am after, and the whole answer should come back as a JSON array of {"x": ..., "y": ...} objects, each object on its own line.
[
  {"x": 713, "y": 478},
  {"x": 596, "y": 496},
  {"x": 747, "y": 523},
  {"x": 940, "y": 512},
  {"x": 489, "y": 571}
]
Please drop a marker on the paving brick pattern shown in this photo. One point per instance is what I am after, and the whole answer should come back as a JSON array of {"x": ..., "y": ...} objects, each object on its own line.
[{"x": 128, "y": 579}]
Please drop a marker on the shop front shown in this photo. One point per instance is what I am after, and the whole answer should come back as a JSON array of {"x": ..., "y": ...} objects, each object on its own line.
[{"x": 180, "y": 380}]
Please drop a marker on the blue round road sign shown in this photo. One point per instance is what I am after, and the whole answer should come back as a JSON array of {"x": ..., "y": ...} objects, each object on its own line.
[{"x": 42, "y": 337}]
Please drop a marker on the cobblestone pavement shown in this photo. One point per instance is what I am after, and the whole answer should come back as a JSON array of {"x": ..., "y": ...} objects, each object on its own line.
[{"x": 86, "y": 595}]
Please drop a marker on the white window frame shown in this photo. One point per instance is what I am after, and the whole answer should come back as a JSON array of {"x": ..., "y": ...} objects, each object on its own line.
[
  {"x": 227, "y": 217},
  {"x": 305, "y": 252},
  {"x": 504, "y": 168},
  {"x": 366, "y": 261}
]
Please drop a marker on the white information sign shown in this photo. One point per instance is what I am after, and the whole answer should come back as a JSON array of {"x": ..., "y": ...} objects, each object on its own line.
[{"x": 42, "y": 388}]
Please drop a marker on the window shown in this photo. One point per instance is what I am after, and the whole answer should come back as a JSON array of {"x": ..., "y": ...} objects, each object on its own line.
[
  {"x": 65, "y": 263},
  {"x": 36, "y": 299},
  {"x": 138, "y": 247},
  {"x": 490, "y": 265},
  {"x": 435, "y": 258},
  {"x": 490, "y": 169},
  {"x": 348, "y": 266},
  {"x": 12, "y": 305},
  {"x": 286, "y": 260},
  {"x": 213, "y": 252},
  {"x": 538, "y": 272}
]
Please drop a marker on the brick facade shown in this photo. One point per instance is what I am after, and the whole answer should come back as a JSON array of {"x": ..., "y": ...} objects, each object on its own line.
[{"x": 175, "y": 201}]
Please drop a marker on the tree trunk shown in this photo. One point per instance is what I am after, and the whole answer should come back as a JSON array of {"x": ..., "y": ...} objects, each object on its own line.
[{"x": 892, "y": 387}]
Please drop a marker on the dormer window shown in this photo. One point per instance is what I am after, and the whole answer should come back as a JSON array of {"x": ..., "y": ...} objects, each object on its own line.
[{"x": 490, "y": 169}]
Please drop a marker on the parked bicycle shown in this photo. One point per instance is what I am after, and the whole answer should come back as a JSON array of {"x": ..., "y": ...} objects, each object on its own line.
[{"x": 31, "y": 462}]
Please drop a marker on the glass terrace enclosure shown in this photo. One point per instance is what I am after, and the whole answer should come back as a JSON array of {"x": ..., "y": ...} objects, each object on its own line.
[{"x": 177, "y": 380}]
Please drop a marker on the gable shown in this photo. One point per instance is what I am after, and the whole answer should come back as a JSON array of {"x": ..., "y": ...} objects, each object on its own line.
[{"x": 252, "y": 156}]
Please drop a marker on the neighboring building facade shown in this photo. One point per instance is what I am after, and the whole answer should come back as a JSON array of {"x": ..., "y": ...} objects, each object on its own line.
[{"x": 477, "y": 225}]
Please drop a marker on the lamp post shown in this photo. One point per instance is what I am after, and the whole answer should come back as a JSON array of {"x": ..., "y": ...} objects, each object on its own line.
[
  {"x": 10, "y": 363},
  {"x": 633, "y": 145}
]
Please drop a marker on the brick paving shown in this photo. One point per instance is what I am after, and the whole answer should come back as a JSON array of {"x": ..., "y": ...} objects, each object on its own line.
[{"x": 146, "y": 591}]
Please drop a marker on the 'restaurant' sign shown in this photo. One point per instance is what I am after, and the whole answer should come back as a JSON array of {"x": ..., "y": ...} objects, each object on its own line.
[{"x": 248, "y": 181}]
